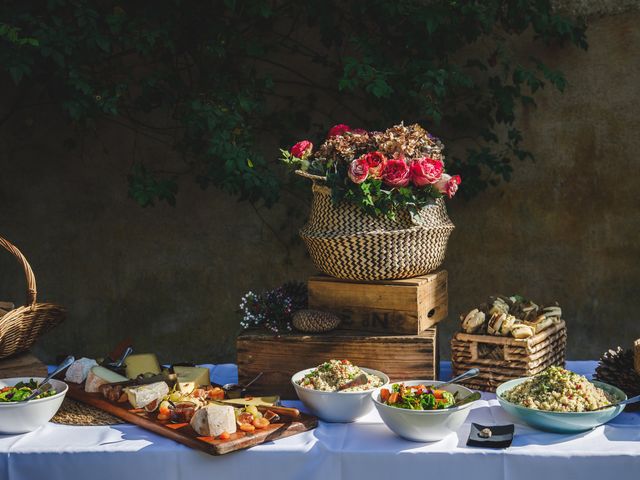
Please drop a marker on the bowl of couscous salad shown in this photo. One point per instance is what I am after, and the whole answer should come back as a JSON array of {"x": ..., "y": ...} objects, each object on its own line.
[
  {"x": 321, "y": 390},
  {"x": 558, "y": 400}
]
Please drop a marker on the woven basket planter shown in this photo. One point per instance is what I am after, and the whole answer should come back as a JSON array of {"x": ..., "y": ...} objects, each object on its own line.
[
  {"x": 20, "y": 328},
  {"x": 346, "y": 242}
]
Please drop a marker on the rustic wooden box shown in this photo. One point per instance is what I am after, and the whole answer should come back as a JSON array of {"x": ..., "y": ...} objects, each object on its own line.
[
  {"x": 500, "y": 358},
  {"x": 22, "y": 365},
  {"x": 402, "y": 357},
  {"x": 407, "y": 306}
]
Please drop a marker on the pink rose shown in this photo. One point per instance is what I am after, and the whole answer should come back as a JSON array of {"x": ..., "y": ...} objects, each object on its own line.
[
  {"x": 302, "y": 149},
  {"x": 448, "y": 185},
  {"x": 426, "y": 171},
  {"x": 396, "y": 173},
  {"x": 358, "y": 170},
  {"x": 376, "y": 162},
  {"x": 338, "y": 130}
]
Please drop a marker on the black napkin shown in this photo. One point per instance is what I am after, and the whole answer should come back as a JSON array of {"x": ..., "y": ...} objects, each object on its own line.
[{"x": 501, "y": 436}]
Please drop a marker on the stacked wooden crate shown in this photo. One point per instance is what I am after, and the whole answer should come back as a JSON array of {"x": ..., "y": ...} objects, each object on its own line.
[
  {"x": 386, "y": 325},
  {"x": 500, "y": 359}
]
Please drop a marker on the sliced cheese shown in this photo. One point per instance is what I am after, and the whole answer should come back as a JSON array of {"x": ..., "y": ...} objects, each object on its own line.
[
  {"x": 212, "y": 420},
  {"x": 140, "y": 397},
  {"x": 79, "y": 370},
  {"x": 142, "y": 363},
  {"x": 101, "y": 376},
  {"x": 257, "y": 401},
  {"x": 190, "y": 378}
]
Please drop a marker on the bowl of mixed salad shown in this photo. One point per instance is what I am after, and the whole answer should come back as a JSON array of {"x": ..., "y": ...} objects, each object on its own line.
[
  {"x": 19, "y": 416},
  {"x": 322, "y": 390},
  {"x": 419, "y": 411},
  {"x": 559, "y": 400}
]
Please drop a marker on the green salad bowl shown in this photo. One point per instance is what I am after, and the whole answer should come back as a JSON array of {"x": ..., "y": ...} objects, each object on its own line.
[{"x": 561, "y": 422}]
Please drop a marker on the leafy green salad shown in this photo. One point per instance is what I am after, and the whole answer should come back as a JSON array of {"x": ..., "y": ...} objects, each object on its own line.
[
  {"x": 417, "y": 397},
  {"x": 21, "y": 391}
]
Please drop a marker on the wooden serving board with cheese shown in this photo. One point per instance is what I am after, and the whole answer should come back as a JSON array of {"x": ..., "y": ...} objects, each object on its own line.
[{"x": 183, "y": 433}]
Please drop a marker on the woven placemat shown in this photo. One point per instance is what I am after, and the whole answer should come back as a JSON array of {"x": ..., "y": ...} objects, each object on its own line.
[{"x": 78, "y": 413}]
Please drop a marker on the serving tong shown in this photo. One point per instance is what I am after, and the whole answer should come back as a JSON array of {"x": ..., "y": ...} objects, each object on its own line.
[
  {"x": 45, "y": 385},
  {"x": 468, "y": 374}
]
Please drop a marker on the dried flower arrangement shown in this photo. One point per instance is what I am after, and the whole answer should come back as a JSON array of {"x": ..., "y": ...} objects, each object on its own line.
[
  {"x": 382, "y": 172},
  {"x": 273, "y": 309}
]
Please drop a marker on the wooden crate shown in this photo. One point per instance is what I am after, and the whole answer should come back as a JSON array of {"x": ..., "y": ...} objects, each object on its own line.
[
  {"x": 402, "y": 357},
  {"x": 500, "y": 358},
  {"x": 408, "y": 306},
  {"x": 22, "y": 365}
]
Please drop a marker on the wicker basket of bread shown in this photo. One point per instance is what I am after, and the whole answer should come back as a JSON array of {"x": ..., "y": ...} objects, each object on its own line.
[{"x": 508, "y": 338}]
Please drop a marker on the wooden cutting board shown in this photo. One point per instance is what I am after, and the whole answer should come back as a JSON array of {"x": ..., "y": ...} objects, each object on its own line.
[{"x": 183, "y": 433}]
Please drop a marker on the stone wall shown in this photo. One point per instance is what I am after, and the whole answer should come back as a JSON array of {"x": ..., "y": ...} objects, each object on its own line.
[{"x": 566, "y": 228}]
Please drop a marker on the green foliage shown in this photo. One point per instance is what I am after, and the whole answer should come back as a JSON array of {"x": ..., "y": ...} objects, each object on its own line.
[
  {"x": 213, "y": 78},
  {"x": 377, "y": 199}
]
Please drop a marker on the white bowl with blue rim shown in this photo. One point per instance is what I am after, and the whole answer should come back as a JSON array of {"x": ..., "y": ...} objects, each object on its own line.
[{"x": 561, "y": 422}]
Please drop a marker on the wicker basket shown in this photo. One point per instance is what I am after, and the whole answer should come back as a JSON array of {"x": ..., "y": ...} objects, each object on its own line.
[
  {"x": 500, "y": 359},
  {"x": 20, "y": 327},
  {"x": 346, "y": 242}
]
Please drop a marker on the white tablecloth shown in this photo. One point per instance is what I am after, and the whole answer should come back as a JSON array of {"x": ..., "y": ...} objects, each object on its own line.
[{"x": 365, "y": 449}]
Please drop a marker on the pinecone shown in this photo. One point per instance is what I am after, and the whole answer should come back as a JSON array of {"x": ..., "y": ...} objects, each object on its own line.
[
  {"x": 616, "y": 368},
  {"x": 314, "y": 321}
]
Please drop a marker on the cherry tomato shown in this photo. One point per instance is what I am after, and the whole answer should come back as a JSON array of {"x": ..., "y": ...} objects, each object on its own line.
[
  {"x": 163, "y": 417},
  {"x": 438, "y": 393},
  {"x": 216, "y": 393}
]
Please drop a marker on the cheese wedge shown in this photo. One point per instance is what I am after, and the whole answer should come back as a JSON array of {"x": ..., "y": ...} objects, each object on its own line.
[
  {"x": 79, "y": 370},
  {"x": 142, "y": 363},
  {"x": 140, "y": 397},
  {"x": 212, "y": 420},
  {"x": 257, "y": 401},
  {"x": 190, "y": 378},
  {"x": 100, "y": 376}
]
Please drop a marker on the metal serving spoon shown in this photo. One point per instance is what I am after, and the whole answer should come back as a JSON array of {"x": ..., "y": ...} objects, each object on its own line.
[
  {"x": 468, "y": 374},
  {"x": 624, "y": 402},
  {"x": 41, "y": 387}
]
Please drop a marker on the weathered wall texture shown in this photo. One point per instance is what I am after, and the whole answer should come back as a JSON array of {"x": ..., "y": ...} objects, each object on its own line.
[{"x": 566, "y": 228}]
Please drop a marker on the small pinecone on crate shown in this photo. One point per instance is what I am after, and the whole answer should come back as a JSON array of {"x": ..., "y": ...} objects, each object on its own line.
[
  {"x": 616, "y": 368},
  {"x": 314, "y": 321}
]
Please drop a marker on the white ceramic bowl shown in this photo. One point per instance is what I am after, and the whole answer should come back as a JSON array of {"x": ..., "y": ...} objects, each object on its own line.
[
  {"x": 424, "y": 425},
  {"x": 23, "y": 417},
  {"x": 338, "y": 407}
]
